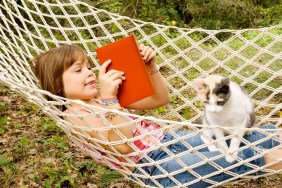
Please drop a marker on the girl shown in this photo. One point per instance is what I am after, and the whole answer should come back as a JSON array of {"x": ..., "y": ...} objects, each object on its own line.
[{"x": 66, "y": 71}]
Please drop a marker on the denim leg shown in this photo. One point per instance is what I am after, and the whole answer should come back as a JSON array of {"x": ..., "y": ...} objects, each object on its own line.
[
  {"x": 206, "y": 169},
  {"x": 190, "y": 159},
  {"x": 192, "y": 140},
  {"x": 195, "y": 139},
  {"x": 257, "y": 135}
]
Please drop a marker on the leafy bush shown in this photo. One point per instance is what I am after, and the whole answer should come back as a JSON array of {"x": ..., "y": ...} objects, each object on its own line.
[{"x": 209, "y": 14}]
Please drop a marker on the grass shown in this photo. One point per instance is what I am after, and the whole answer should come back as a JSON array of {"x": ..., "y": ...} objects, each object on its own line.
[{"x": 34, "y": 152}]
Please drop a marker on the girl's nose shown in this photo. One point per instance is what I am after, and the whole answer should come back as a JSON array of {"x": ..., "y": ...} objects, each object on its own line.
[{"x": 90, "y": 73}]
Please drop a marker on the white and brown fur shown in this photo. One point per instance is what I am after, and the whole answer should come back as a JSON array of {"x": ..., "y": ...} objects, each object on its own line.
[{"x": 228, "y": 105}]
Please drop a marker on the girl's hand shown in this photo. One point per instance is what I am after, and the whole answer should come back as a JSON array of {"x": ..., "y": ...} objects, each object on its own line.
[
  {"x": 109, "y": 81},
  {"x": 148, "y": 55}
]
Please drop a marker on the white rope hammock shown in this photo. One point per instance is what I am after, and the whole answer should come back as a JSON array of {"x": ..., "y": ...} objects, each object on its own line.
[{"x": 251, "y": 57}]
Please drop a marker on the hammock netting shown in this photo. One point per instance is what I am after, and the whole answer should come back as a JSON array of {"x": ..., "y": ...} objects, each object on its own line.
[{"x": 250, "y": 57}]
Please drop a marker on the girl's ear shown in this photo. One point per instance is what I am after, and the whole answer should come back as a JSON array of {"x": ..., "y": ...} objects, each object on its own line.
[{"x": 199, "y": 84}]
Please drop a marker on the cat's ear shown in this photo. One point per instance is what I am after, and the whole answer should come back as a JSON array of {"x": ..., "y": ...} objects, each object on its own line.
[
  {"x": 224, "y": 85},
  {"x": 225, "y": 81},
  {"x": 199, "y": 84}
]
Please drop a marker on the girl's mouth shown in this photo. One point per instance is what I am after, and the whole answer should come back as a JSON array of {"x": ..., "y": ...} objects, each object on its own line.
[{"x": 90, "y": 83}]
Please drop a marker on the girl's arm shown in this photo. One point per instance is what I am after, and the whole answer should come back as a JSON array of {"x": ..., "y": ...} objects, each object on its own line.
[
  {"x": 110, "y": 135},
  {"x": 161, "y": 94},
  {"x": 109, "y": 83}
]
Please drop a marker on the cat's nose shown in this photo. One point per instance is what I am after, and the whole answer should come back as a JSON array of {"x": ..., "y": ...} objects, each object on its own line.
[{"x": 212, "y": 108}]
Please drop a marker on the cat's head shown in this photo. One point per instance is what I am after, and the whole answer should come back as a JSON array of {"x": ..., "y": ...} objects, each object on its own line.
[{"x": 213, "y": 91}]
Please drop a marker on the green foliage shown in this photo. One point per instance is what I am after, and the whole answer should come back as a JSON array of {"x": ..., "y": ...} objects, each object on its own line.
[
  {"x": 160, "y": 111},
  {"x": 3, "y": 119},
  {"x": 7, "y": 166},
  {"x": 4, "y": 161},
  {"x": 108, "y": 176},
  {"x": 31, "y": 108},
  {"x": 48, "y": 125},
  {"x": 209, "y": 14},
  {"x": 24, "y": 140},
  {"x": 2, "y": 127},
  {"x": 2, "y": 108},
  {"x": 55, "y": 177}
]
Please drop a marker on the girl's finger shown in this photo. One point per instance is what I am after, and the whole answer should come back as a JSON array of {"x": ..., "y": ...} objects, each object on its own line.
[
  {"x": 143, "y": 51},
  {"x": 117, "y": 75},
  {"x": 103, "y": 67},
  {"x": 151, "y": 56},
  {"x": 147, "y": 54},
  {"x": 113, "y": 71},
  {"x": 141, "y": 46},
  {"x": 118, "y": 81}
]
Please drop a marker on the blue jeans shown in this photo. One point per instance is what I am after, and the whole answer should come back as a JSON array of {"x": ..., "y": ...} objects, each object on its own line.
[{"x": 193, "y": 158}]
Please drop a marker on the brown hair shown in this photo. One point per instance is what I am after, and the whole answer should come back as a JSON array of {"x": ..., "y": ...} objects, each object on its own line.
[{"x": 50, "y": 66}]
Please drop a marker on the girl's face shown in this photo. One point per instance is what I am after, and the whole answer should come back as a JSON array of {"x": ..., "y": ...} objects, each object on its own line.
[{"x": 79, "y": 81}]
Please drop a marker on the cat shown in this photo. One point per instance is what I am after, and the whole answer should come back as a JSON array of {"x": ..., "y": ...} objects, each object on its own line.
[{"x": 227, "y": 104}]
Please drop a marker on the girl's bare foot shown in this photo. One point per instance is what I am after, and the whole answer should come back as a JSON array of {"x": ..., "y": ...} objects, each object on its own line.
[{"x": 274, "y": 156}]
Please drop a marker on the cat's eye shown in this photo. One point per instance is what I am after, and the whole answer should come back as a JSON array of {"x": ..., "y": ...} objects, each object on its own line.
[{"x": 220, "y": 103}]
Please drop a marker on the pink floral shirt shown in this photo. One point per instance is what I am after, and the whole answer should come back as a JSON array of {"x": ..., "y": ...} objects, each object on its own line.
[{"x": 141, "y": 144}]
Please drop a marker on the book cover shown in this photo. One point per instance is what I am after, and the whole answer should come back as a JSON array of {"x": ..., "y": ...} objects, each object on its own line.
[{"x": 126, "y": 57}]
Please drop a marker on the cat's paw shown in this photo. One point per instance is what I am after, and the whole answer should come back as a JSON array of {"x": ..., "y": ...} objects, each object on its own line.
[
  {"x": 229, "y": 158},
  {"x": 213, "y": 148}
]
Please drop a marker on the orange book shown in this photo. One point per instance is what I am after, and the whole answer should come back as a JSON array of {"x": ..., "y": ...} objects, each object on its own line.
[{"x": 126, "y": 57}]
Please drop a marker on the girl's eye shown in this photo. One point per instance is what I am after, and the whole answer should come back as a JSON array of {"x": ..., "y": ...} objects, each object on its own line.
[{"x": 77, "y": 70}]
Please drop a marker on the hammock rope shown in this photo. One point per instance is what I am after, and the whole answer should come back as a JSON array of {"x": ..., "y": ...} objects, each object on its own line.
[{"x": 251, "y": 57}]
